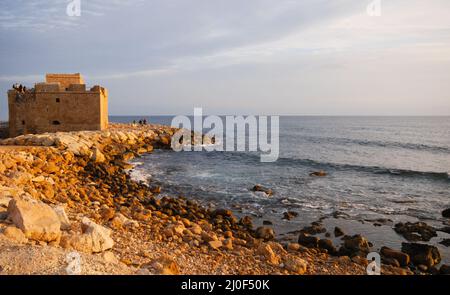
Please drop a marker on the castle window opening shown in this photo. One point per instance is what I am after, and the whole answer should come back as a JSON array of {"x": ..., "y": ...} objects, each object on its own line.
[
  {"x": 23, "y": 122},
  {"x": 57, "y": 99},
  {"x": 55, "y": 122}
]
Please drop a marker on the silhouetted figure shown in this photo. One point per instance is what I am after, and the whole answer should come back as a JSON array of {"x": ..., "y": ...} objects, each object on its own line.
[
  {"x": 140, "y": 122},
  {"x": 144, "y": 122}
]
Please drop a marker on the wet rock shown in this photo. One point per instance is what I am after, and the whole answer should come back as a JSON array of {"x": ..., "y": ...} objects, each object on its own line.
[
  {"x": 445, "y": 269},
  {"x": 37, "y": 220},
  {"x": 267, "y": 222},
  {"x": 318, "y": 173},
  {"x": 402, "y": 258},
  {"x": 338, "y": 232},
  {"x": 446, "y": 213},
  {"x": 295, "y": 265},
  {"x": 422, "y": 254},
  {"x": 308, "y": 241},
  {"x": 265, "y": 233},
  {"x": 260, "y": 188},
  {"x": 445, "y": 229},
  {"x": 314, "y": 229},
  {"x": 289, "y": 215},
  {"x": 355, "y": 245},
  {"x": 445, "y": 242},
  {"x": 390, "y": 261},
  {"x": 418, "y": 231},
  {"x": 327, "y": 244}
]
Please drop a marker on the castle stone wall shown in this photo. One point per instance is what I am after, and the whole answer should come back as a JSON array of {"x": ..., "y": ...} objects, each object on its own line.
[{"x": 49, "y": 107}]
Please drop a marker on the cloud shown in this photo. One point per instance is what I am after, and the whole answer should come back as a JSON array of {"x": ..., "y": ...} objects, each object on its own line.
[{"x": 42, "y": 17}]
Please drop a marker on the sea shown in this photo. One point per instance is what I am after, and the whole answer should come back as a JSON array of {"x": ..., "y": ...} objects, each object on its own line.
[{"x": 380, "y": 171}]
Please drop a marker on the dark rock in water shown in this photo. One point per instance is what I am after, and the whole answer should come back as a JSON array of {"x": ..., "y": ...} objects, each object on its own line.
[
  {"x": 267, "y": 222},
  {"x": 308, "y": 241},
  {"x": 390, "y": 261},
  {"x": 445, "y": 229},
  {"x": 289, "y": 215},
  {"x": 327, "y": 245},
  {"x": 445, "y": 269},
  {"x": 318, "y": 173},
  {"x": 355, "y": 245},
  {"x": 402, "y": 258},
  {"x": 265, "y": 233},
  {"x": 446, "y": 213},
  {"x": 260, "y": 188},
  {"x": 339, "y": 214},
  {"x": 422, "y": 254},
  {"x": 246, "y": 222},
  {"x": 222, "y": 212},
  {"x": 418, "y": 231},
  {"x": 445, "y": 242},
  {"x": 338, "y": 232},
  {"x": 327, "y": 235},
  {"x": 314, "y": 229}
]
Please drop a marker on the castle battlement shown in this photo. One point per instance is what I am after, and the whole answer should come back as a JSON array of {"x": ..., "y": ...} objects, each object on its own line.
[{"x": 61, "y": 103}]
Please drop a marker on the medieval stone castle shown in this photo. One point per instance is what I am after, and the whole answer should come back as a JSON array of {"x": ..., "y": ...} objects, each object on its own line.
[{"x": 61, "y": 103}]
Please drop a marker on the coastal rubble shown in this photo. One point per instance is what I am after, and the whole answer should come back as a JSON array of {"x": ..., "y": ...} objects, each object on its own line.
[{"x": 91, "y": 204}]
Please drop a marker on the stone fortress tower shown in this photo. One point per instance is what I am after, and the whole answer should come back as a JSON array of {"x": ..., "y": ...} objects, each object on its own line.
[{"x": 61, "y": 103}]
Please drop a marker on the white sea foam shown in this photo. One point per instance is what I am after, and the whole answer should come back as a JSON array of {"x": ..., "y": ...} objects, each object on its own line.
[{"x": 140, "y": 175}]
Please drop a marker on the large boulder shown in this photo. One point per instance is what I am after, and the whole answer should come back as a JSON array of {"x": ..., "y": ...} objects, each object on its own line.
[
  {"x": 355, "y": 245},
  {"x": 37, "y": 220},
  {"x": 422, "y": 254},
  {"x": 402, "y": 258},
  {"x": 94, "y": 239},
  {"x": 418, "y": 231}
]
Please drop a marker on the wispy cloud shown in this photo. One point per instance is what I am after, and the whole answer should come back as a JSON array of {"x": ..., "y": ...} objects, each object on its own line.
[{"x": 39, "y": 16}]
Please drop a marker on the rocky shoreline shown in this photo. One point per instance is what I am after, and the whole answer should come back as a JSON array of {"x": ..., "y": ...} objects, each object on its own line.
[{"x": 61, "y": 192}]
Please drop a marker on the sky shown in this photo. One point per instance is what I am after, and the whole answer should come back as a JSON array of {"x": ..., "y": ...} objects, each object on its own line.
[{"x": 286, "y": 57}]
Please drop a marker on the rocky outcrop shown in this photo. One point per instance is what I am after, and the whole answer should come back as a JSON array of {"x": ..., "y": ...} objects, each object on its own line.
[
  {"x": 37, "y": 220},
  {"x": 355, "y": 245},
  {"x": 422, "y": 254},
  {"x": 418, "y": 231},
  {"x": 403, "y": 259}
]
